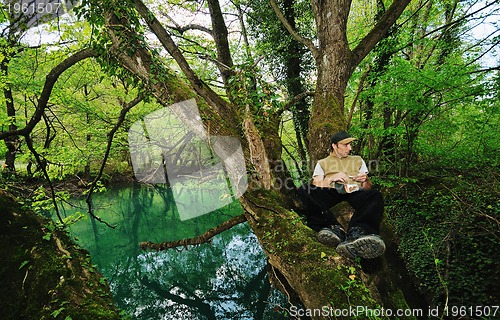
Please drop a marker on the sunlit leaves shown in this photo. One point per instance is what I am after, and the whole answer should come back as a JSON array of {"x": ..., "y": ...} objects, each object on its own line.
[{"x": 422, "y": 90}]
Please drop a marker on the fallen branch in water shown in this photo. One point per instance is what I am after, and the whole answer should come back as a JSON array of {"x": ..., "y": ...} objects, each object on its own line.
[{"x": 203, "y": 238}]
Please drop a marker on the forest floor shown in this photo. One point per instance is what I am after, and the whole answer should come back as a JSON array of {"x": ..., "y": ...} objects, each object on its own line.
[{"x": 447, "y": 226}]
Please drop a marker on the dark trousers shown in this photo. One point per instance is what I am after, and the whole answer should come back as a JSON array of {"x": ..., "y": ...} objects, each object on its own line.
[{"x": 368, "y": 207}]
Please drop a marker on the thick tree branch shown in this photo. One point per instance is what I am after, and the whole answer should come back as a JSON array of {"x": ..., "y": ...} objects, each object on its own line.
[
  {"x": 43, "y": 100},
  {"x": 188, "y": 27},
  {"x": 167, "y": 42},
  {"x": 305, "y": 41},
  {"x": 196, "y": 240},
  {"x": 294, "y": 100},
  {"x": 379, "y": 30},
  {"x": 220, "y": 34},
  {"x": 50, "y": 81},
  {"x": 182, "y": 29}
]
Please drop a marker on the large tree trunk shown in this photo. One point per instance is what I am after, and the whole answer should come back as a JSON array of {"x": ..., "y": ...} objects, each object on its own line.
[
  {"x": 336, "y": 62},
  {"x": 300, "y": 110},
  {"x": 315, "y": 272}
]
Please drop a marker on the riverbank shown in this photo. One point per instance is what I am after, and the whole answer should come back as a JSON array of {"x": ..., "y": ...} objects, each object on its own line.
[
  {"x": 44, "y": 275},
  {"x": 24, "y": 187}
]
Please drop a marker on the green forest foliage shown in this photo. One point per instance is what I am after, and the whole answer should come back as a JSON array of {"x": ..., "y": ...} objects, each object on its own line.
[{"x": 447, "y": 225}]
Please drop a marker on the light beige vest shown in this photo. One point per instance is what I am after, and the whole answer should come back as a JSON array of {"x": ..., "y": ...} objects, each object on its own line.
[{"x": 350, "y": 165}]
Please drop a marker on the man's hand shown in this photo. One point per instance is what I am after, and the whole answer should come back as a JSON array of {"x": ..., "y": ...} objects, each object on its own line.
[
  {"x": 365, "y": 181},
  {"x": 339, "y": 177},
  {"x": 320, "y": 181},
  {"x": 361, "y": 177}
]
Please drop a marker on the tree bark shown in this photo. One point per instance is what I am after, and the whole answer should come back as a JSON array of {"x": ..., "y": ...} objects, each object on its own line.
[
  {"x": 300, "y": 111},
  {"x": 213, "y": 100},
  {"x": 314, "y": 271},
  {"x": 220, "y": 33},
  {"x": 336, "y": 62},
  {"x": 225, "y": 119},
  {"x": 12, "y": 142},
  {"x": 205, "y": 237}
]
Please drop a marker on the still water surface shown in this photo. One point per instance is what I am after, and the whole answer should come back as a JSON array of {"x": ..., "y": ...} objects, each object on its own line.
[{"x": 225, "y": 279}]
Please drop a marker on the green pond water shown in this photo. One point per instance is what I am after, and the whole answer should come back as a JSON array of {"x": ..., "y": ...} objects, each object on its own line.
[{"x": 224, "y": 279}]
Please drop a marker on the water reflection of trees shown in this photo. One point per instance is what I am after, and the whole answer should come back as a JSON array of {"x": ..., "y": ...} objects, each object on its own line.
[
  {"x": 204, "y": 282},
  {"x": 225, "y": 279}
]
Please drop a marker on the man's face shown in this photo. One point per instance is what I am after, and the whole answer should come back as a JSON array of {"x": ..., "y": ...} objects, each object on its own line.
[{"x": 342, "y": 150}]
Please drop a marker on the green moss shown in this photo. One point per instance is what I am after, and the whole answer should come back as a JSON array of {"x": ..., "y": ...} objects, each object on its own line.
[
  {"x": 317, "y": 269},
  {"x": 38, "y": 278}
]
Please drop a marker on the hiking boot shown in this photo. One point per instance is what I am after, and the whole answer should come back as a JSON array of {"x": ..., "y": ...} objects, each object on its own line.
[
  {"x": 361, "y": 244},
  {"x": 331, "y": 236}
]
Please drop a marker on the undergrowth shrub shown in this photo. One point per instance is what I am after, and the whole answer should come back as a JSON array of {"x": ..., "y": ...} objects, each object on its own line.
[{"x": 448, "y": 231}]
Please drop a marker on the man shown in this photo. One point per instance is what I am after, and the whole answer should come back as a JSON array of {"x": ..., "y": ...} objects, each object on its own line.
[{"x": 342, "y": 177}]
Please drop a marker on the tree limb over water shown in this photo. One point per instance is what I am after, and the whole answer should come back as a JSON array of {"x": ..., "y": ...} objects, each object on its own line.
[{"x": 196, "y": 240}]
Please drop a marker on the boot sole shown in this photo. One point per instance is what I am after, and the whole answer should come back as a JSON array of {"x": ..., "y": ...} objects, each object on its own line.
[
  {"x": 367, "y": 247},
  {"x": 328, "y": 238}
]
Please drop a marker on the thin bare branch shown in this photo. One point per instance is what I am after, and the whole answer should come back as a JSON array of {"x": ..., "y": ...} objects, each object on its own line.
[
  {"x": 126, "y": 108},
  {"x": 42, "y": 166},
  {"x": 358, "y": 92}
]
